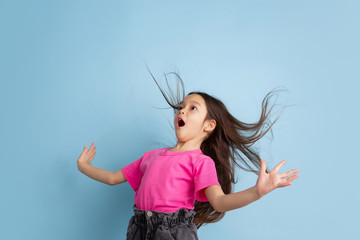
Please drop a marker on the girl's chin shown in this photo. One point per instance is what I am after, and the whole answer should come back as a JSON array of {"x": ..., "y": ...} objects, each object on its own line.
[{"x": 181, "y": 137}]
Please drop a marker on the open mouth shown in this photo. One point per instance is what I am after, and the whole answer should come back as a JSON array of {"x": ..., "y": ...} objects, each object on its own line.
[{"x": 181, "y": 122}]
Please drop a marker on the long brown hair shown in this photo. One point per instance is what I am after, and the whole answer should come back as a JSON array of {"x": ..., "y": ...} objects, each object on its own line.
[{"x": 230, "y": 139}]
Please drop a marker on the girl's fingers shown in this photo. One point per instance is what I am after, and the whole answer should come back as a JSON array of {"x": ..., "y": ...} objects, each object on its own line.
[
  {"x": 293, "y": 177},
  {"x": 286, "y": 174},
  {"x": 277, "y": 167},
  {"x": 262, "y": 166},
  {"x": 91, "y": 157},
  {"x": 285, "y": 184},
  {"x": 88, "y": 154},
  {"x": 93, "y": 150},
  {"x": 83, "y": 153},
  {"x": 92, "y": 147}
]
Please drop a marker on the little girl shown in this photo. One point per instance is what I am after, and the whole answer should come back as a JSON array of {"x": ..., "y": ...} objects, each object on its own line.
[{"x": 182, "y": 187}]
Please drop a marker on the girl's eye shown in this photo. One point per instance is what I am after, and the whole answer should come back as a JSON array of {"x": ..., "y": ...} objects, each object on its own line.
[{"x": 180, "y": 107}]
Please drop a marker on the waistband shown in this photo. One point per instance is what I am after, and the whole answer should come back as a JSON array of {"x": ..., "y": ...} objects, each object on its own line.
[{"x": 182, "y": 215}]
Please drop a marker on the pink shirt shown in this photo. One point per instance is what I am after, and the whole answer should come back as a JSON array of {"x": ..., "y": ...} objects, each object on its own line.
[{"x": 167, "y": 181}]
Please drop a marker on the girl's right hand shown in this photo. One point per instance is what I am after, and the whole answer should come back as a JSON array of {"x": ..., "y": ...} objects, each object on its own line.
[{"x": 87, "y": 155}]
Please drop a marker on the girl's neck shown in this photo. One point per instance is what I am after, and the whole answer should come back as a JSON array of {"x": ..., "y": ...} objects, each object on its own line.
[{"x": 183, "y": 147}]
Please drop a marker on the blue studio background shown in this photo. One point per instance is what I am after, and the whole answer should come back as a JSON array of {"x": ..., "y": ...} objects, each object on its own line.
[{"x": 73, "y": 73}]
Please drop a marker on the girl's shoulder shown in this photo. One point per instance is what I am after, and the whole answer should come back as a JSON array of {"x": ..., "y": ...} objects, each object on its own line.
[
  {"x": 155, "y": 151},
  {"x": 202, "y": 159}
]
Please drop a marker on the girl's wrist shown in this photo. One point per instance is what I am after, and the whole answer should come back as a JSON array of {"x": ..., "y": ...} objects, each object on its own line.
[
  {"x": 81, "y": 165},
  {"x": 256, "y": 192}
]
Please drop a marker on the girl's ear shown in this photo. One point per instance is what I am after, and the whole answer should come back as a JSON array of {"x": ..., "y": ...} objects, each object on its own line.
[{"x": 210, "y": 126}]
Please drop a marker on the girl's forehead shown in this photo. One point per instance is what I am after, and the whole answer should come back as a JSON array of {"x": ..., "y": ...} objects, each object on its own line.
[{"x": 194, "y": 98}]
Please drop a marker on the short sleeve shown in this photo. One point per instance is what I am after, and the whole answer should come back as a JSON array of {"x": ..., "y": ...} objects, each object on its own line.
[
  {"x": 133, "y": 174},
  {"x": 205, "y": 176}
]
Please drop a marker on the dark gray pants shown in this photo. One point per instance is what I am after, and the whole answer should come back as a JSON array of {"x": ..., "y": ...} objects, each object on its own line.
[{"x": 154, "y": 225}]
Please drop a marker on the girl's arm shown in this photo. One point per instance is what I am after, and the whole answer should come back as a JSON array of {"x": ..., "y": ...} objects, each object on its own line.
[
  {"x": 266, "y": 182},
  {"x": 104, "y": 176},
  {"x": 118, "y": 177},
  {"x": 97, "y": 174},
  {"x": 225, "y": 202}
]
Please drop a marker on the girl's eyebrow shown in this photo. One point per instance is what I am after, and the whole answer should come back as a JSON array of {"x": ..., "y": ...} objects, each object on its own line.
[{"x": 191, "y": 102}]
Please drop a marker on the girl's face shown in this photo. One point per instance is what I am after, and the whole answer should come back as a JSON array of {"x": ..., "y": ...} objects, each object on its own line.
[{"x": 190, "y": 119}]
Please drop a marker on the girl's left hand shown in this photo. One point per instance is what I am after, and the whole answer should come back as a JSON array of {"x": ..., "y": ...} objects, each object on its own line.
[{"x": 267, "y": 182}]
